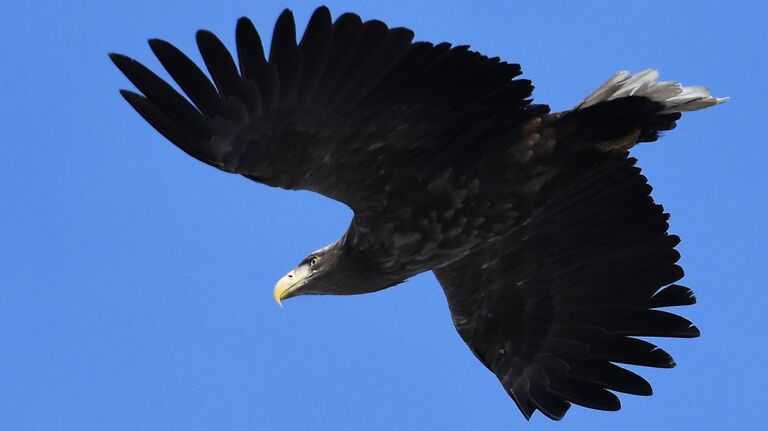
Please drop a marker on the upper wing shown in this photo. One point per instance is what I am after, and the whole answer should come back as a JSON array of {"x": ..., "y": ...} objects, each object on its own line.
[
  {"x": 344, "y": 111},
  {"x": 552, "y": 307}
]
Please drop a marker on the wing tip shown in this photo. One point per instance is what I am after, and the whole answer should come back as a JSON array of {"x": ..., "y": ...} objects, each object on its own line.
[
  {"x": 203, "y": 36},
  {"x": 244, "y": 22},
  {"x": 156, "y": 44},
  {"x": 120, "y": 60},
  {"x": 286, "y": 21},
  {"x": 694, "y": 331},
  {"x": 323, "y": 9},
  {"x": 128, "y": 94}
]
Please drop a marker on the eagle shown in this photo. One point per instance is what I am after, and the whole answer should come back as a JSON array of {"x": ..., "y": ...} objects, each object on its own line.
[{"x": 540, "y": 228}]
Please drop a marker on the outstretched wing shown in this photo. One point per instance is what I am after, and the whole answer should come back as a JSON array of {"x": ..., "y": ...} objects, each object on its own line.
[
  {"x": 345, "y": 111},
  {"x": 551, "y": 308}
]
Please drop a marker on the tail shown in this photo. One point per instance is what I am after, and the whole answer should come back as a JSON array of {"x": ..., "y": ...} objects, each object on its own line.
[
  {"x": 672, "y": 96},
  {"x": 627, "y": 109}
]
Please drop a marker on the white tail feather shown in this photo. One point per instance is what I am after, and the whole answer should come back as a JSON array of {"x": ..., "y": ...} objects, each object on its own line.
[{"x": 672, "y": 95}]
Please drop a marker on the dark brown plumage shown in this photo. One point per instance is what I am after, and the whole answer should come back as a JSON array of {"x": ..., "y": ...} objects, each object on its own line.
[{"x": 539, "y": 227}]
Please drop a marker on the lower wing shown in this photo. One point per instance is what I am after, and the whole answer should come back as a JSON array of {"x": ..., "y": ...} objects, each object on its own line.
[{"x": 552, "y": 308}]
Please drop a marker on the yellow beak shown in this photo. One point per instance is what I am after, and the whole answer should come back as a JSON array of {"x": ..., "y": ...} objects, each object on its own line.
[
  {"x": 283, "y": 287},
  {"x": 286, "y": 287}
]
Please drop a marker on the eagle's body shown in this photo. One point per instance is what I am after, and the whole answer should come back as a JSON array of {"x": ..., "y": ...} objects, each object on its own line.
[
  {"x": 552, "y": 254},
  {"x": 407, "y": 233}
]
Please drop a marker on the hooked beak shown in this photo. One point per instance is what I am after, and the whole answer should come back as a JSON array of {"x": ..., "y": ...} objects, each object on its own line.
[
  {"x": 286, "y": 287},
  {"x": 283, "y": 287}
]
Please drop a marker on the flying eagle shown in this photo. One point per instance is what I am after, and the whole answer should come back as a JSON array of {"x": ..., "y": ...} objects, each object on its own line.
[{"x": 539, "y": 227}]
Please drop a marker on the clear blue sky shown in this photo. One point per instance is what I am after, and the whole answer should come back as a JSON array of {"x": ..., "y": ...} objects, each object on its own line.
[{"x": 136, "y": 283}]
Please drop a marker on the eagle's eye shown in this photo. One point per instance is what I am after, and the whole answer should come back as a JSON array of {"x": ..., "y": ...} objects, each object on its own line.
[{"x": 312, "y": 262}]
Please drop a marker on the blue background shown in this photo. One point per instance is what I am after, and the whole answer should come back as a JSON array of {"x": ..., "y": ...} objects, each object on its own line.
[{"x": 136, "y": 283}]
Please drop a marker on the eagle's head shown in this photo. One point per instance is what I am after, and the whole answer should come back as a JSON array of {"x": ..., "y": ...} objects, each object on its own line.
[
  {"x": 313, "y": 275},
  {"x": 336, "y": 269}
]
